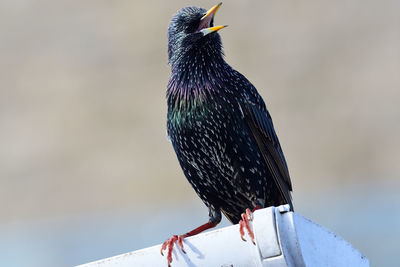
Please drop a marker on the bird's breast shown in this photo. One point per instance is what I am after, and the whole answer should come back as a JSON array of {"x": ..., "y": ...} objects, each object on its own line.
[
  {"x": 201, "y": 140},
  {"x": 206, "y": 129}
]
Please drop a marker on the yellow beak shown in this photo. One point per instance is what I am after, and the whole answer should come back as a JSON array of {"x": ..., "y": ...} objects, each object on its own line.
[
  {"x": 212, "y": 29},
  {"x": 212, "y": 11},
  {"x": 206, "y": 21}
]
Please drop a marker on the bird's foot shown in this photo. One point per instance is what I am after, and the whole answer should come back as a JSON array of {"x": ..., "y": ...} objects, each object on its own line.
[
  {"x": 169, "y": 245},
  {"x": 244, "y": 223}
]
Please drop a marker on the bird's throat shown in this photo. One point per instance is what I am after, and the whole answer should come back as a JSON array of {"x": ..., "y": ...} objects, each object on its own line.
[{"x": 197, "y": 79}]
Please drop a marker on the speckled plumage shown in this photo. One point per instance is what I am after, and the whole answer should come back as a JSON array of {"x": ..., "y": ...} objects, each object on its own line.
[{"x": 219, "y": 126}]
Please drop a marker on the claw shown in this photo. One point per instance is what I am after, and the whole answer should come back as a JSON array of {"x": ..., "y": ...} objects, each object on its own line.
[
  {"x": 244, "y": 223},
  {"x": 163, "y": 247},
  {"x": 171, "y": 241},
  {"x": 241, "y": 227},
  {"x": 170, "y": 244},
  {"x": 180, "y": 243}
]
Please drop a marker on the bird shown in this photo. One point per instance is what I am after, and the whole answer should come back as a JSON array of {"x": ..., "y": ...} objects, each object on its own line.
[{"x": 220, "y": 128}]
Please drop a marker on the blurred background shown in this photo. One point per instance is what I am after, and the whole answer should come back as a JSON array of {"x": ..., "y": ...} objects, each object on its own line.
[{"x": 86, "y": 171}]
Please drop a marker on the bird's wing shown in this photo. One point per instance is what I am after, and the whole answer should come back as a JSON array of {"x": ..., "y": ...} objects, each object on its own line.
[{"x": 260, "y": 123}]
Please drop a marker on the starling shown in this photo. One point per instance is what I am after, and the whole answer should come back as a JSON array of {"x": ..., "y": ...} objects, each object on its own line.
[{"x": 220, "y": 128}]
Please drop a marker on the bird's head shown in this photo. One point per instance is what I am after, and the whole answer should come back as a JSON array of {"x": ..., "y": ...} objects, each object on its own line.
[{"x": 192, "y": 32}]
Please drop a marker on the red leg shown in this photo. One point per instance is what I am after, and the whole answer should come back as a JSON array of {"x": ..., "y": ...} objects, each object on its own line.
[
  {"x": 244, "y": 223},
  {"x": 256, "y": 208},
  {"x": 200, "y": 229},
  {"x": 171, "y": 241}
]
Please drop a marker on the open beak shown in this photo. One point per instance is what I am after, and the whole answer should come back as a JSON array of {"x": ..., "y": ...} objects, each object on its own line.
[
  {"x": 212, "y": 11},
  {"x": 207, "y": 19}
]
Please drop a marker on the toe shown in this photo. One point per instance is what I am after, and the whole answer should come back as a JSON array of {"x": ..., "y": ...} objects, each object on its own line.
[
  {"x": 249, "y": 215},
  {"x": 180, "y": 243},
  {"x": 244, "y": 224},
  {"x": 241, "y": 230}
]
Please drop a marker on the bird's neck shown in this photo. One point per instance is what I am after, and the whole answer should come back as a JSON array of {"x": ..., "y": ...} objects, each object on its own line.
[
  {"x": 196, "y": 79},
  {"x": 197, "y": 73},
  {"x": 195, "y": 84}
]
